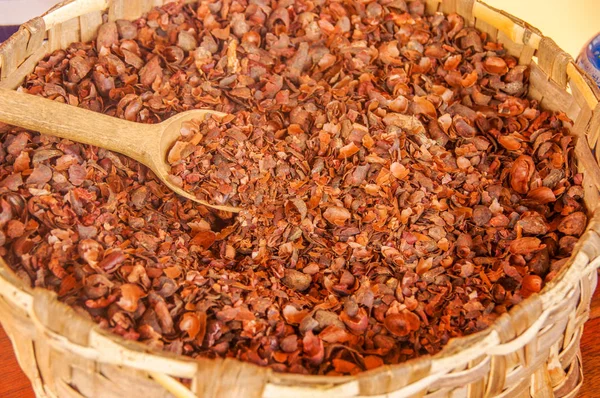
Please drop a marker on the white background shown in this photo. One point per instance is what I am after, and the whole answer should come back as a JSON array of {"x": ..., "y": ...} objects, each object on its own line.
[{"x": 15, "y": 12}]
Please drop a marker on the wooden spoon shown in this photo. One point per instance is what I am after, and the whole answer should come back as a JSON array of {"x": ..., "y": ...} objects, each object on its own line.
[{"x": 149, "y": 144}]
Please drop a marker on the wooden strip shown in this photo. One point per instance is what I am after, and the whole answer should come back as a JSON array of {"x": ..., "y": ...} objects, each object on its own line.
[
  {"x": 541, "y": 385},
  {"x": 236, "y": 379},
  {"x": 89, "y": 24},
  {"x": 476, "y": 388},
  {"x": 532, "y": 37},
  {"x": 37, "y": 31},
  {"x": 462, "y": 377},
  {"x": 571, "y": 349},
  {"x": 43, "y": 362},
  {"x": 54, "y": 38},
  {"x": 145, "y": 385},
  {"x": 60, "y": 318},
  {"x": 65, "y": 390},
  {"x": 573, "y": 381},
  {"x": 516, "y": 29},
  {"x": 535, "y": 93},
  {"x": 16, "y": 78},
  {"x": 61, "y": 368},
  {"x": 305, "y": 389},
  {"x": 116, "y": 10},
  {"x": 432, "y": 6},
  {"x": 555, "y": 371},
  {"x": 147, "y": 5},
  {"x": 443, "y": 393},
  {"x": 519, "y": 390},
  {"x": 485, "y": 27},
  {"x": 527, "y": 54},
  {"x": 546, "y": 54},
  {"x": 119, "y": 352},
  {"x": 558, "y": 322},
  {"x": 172, "y": 385},
  {"x": 523, "y": 317},
  {"x": 130, "y": 10},
  {"x": 583, "y": 307},
  {"x": 393, "y": 379},
  {"x": 573, "y": 112},
  {"x": 14, "y": 290},
  {"x": 7, "y": 275},
  {"x": 594, "y": 128},
  {"x": 14, "y": 52},
  {"x": 534, "y": 357},
  {"x": 582, "y": 122},
  {"x": 464, "y": 8},
  {"x": 553, "y": 60},
  {"x": 554, "y": 97},
  {"x": 571, "y": 331},
  {"x": 583, "y": 117},
  {"x": 78, "y": 361},
  {"x": 590, "y": 246},
  {"x": 511, "y": 47},
  {"x": 559, "y": 69},
  {"x": 90, "y": 384},
  {"x": 595, "y": 304},
  {"x": 19, "y": 50},
  {"x": 493, "y": 18},
  {"x": 577, "y": 79},
  {"x": 519, "y": 372},
  {"x": 70, "y": 32},
  {"x": 133, "y": 9},
  {"x": 58, "y": 5},
  {"x": 73, "y": 10},
  {"x": 590, "y": 193},
  {"x": 496, "y": 377},
  {"x": 448, "y": 7},
  {"x": 562, "y": 285}
]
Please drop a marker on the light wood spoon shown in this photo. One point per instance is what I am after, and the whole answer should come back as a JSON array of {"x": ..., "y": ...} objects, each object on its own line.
[{"x": 149, "y": 144}]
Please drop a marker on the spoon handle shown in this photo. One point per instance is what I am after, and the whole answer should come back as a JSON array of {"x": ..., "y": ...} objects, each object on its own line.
[{"x": 76, "y": 124}]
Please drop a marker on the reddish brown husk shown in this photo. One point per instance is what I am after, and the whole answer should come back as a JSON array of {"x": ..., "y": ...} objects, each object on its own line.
[{"x": 398, "y": 187}]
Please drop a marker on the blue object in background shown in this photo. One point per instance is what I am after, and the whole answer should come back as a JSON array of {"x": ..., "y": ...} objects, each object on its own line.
[
  {"x": 589, "y": 58},
  {"x": 7, "y": 31}
]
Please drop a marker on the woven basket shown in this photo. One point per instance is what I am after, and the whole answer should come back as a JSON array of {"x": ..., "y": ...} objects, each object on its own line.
[{"x": 531, "y": 351}]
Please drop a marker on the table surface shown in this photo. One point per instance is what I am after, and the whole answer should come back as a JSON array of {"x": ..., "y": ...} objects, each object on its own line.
[{"x": 570, "y": 24}]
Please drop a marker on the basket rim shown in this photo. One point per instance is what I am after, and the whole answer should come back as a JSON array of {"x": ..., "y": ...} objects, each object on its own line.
[{"x": 577, "y": 266}]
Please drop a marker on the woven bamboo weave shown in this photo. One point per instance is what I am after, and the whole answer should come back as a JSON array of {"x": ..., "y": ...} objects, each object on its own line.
[{"x": 533, "y": 351}]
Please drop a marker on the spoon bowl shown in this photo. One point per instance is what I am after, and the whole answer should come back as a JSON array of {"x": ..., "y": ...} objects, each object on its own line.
[
  {"x": 169, "y": 131},
  {"x": 149, "y": 144}
]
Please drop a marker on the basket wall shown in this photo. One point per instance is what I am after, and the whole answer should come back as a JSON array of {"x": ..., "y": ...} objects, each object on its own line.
[{"x": 532, "y": 351}]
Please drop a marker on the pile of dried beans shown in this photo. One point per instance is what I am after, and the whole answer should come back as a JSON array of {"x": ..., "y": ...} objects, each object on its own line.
[{"x": 398, "y": 187}]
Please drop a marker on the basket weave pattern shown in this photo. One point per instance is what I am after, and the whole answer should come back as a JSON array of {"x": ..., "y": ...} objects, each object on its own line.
[{"x": 531, "y": 351}]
